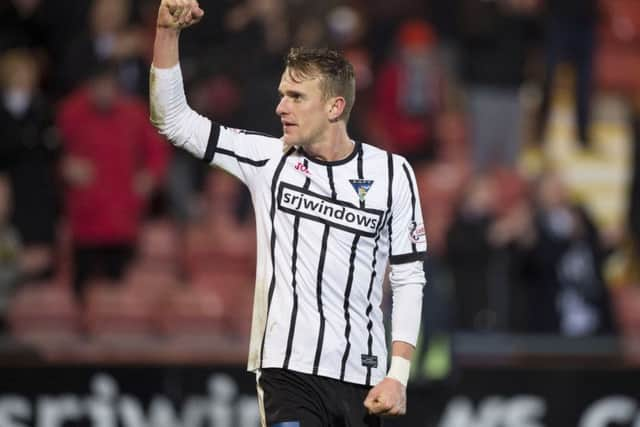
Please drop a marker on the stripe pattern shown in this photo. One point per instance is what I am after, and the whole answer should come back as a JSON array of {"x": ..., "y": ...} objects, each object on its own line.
[
  {"x": 347, "y": 317},
  {"x": 272, "y": 214},
  {"x": 319, "y": 277},
  {"x": 413, "y": 200},
  {"x": 294, "y": 258},
  {"x": 212, "y": 149},
  {"x": 321, "y": 248}
]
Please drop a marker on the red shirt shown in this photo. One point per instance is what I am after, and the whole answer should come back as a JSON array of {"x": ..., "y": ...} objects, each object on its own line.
[
  {"x": 408, "y": 134},
  {"x": 118, "y": 144}
]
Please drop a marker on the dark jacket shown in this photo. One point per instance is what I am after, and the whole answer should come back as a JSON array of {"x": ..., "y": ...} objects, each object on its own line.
[
  {"x": 549, "y": 270},
  {"x": 28, "y": 150}
]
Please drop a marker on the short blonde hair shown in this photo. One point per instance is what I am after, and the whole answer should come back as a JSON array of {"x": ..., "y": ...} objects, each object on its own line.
[{"x": 337, "y": 74}]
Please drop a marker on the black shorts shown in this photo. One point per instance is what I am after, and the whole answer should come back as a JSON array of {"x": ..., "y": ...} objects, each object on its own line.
[{"x": 293, "y": 399}]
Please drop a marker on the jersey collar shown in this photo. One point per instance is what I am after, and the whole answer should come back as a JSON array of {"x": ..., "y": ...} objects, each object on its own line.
[{"x": 354, "y": 152}]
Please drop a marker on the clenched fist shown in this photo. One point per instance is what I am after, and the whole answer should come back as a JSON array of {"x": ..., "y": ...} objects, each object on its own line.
[
  {"x": 179, "y": 14},
  {"x": 387, "y": 398}
]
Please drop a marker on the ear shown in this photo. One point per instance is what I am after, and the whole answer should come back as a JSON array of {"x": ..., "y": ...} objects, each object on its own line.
[{"x": 335, "y": 108}]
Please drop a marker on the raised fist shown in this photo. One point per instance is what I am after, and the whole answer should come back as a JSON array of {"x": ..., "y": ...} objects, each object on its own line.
[{"x": 179, "y": 13}]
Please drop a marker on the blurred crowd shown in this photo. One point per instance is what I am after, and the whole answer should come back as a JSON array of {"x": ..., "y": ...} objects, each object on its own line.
[{"x": 106, "y": 229}]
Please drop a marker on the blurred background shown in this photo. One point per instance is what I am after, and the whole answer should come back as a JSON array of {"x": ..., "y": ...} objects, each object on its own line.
[{"x": 127, "y": 266}]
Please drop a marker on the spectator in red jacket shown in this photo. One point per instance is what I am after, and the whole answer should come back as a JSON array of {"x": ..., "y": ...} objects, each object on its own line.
[
  {"x": 112, "y": 161},
  {"x": 409, "y": 93}
]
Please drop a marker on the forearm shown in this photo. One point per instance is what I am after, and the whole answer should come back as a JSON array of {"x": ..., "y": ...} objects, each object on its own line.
[
  {"x": 166, "y": 51},
  {"x": 402, "y": 349},
  {"x": 407, "y": 281}
]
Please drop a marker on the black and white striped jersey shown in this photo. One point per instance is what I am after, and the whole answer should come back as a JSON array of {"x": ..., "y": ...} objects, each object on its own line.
[
  {"x": 325, "y": 234},
  {"x": 325, "y": 231}
]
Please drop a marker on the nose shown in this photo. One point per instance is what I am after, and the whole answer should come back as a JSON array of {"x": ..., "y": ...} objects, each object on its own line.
[{"x": 281, "y": 107}]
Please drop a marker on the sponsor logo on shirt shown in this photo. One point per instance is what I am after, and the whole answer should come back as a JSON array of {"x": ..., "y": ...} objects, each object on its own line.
[
  {"x": 343, "y": 215},
  {"x": 302, "y": 168},
  {"x": 362, "y": 187},
  {"x": 417, "y": 233}
]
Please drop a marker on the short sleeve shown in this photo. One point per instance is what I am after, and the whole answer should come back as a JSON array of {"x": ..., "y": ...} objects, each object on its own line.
[
  {"x": 240, "y": 152},
  {"x": 408, "y": 239}
]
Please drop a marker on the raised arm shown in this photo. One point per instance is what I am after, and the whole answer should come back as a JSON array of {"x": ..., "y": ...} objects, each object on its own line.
[
  {"x": 173, "y": 16},
  {"x": 232, "y": 150},
  {"x": 170, "y": 113}
]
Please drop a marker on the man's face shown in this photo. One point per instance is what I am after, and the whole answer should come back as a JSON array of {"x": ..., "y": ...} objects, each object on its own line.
[
  {"x": 302, "y": 109},
  {"x": 104, "y": 90}
]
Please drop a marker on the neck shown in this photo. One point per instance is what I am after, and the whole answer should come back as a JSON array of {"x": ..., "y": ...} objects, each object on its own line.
[{"x": 336, "y": 146}]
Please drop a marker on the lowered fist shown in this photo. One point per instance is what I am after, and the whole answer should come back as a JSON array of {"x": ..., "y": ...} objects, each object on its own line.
[
  {"x": 388, "y": 398},
  {"x": 179, "y": 14}
]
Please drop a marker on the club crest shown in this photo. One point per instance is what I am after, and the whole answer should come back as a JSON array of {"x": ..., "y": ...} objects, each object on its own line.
[
  {"x": 362, "y": 187},
  {"x": 417, "y": 232}
]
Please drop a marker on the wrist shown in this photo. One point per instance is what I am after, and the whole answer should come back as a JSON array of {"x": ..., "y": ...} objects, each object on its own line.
[
  {"x": 166, "y": 31},
  {"x": 399, "y": 369}
]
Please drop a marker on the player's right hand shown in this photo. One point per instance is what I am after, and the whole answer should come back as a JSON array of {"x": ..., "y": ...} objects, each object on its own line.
[{"x": 179, "y": 14}]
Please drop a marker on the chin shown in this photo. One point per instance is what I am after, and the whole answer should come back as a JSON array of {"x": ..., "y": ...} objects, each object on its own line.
[{"x": 291, "y": 141}]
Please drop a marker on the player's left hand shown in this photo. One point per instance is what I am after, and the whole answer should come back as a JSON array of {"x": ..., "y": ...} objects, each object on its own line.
[{"x": 387, "y": 398}]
